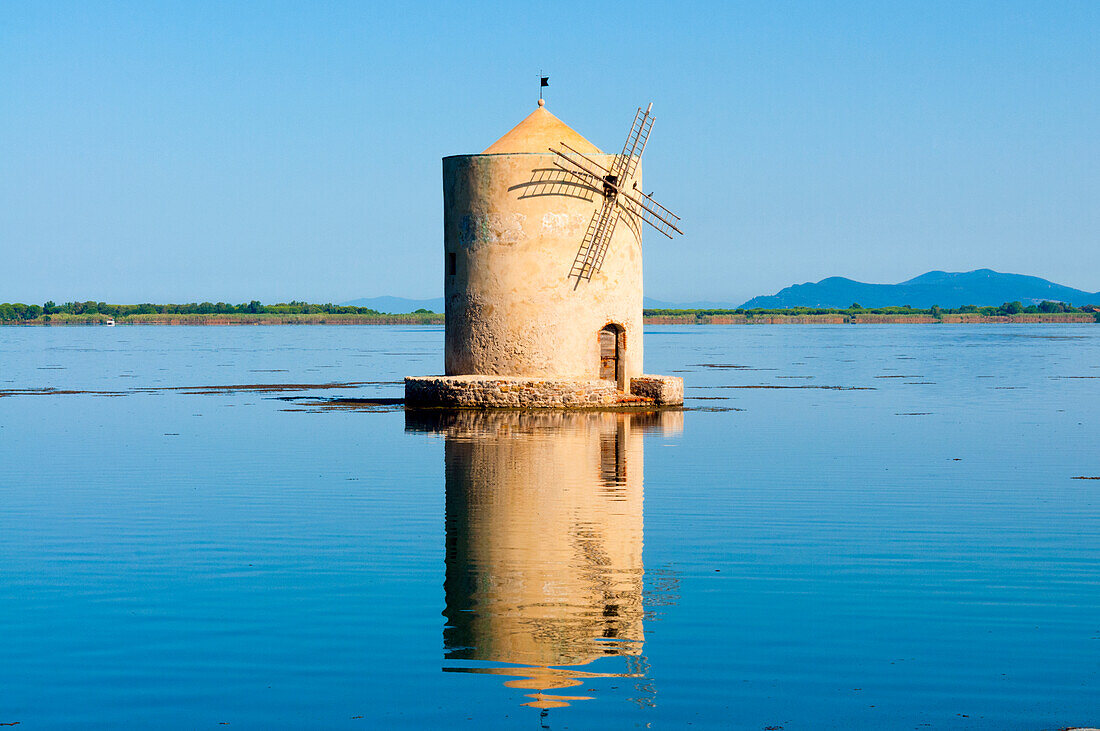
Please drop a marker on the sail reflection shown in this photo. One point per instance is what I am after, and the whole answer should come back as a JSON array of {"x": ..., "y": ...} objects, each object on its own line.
[{"x": 544, "y": 572}]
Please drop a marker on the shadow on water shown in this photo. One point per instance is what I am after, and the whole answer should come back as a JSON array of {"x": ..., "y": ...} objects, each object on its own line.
[{"x": 544, "y": 577}]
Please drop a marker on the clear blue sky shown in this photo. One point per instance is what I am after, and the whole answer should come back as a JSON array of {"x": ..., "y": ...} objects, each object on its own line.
[{"x": 181, "y": 151}]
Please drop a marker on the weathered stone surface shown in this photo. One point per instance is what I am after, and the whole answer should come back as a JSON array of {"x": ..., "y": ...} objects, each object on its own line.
[
  {"x": 513, "y": 392},
  {"x": 522, "y": 330},
  {"x": 513, "y": 224},
  {"x": 664, "y": 390}
]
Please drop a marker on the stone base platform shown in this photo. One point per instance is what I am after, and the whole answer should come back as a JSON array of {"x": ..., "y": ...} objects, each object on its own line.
[{"x": 514, "y": 392}]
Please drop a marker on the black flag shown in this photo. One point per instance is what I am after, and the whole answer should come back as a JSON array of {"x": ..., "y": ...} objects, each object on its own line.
[{"x": 545, "y": 81}]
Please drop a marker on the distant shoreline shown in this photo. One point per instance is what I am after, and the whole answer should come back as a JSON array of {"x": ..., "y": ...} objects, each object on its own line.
[
  {"x": 686, "y": 318},
  {"x": 874, "y": 319},
  {"x": 304, "y": 313}
]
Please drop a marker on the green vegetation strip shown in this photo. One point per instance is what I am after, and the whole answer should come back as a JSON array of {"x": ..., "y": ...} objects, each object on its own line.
[
  {"x": 304, "y": 313},
  {"x": 206, "y": 313},
  {"x": 1008, "y": 309}
]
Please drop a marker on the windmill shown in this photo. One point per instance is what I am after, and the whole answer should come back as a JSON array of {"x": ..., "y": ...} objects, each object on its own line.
[{"x": 620, "y": 195}]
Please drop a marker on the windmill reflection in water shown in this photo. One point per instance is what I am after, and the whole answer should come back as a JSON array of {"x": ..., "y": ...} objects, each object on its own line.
[{"x": 544, "y": 572}]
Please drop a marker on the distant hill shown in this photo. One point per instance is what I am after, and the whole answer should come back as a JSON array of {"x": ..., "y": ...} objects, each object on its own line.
[
  {"x": 651, "y": 304},
  {"x": 946, "y": 289},
  {"x": 397, "y": 305}
]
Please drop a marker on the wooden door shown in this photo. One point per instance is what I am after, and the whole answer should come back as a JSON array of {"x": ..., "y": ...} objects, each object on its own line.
[{"x": 609, "y": 354}]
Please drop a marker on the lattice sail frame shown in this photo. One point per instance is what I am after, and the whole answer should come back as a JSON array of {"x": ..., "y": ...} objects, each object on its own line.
[{"x": 617, "y": 200}]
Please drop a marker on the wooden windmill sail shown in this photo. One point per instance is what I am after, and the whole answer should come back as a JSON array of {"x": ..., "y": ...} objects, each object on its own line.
[{"x": 620, "y": 195}]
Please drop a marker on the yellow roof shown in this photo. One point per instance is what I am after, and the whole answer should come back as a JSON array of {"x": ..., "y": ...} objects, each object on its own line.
[{"x": 537, "y": 133}]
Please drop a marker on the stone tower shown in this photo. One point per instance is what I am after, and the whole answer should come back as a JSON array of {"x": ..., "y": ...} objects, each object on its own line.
[{"x": 513, "y": 224}]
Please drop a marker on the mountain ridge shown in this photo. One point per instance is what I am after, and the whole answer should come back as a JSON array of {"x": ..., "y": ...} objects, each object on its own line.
[
  {"x": 397, "y": 305},
  {"x": 979, "y": 287}
]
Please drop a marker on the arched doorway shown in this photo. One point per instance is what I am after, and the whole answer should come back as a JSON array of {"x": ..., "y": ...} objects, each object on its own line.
[{"x": 611, "y": 353}]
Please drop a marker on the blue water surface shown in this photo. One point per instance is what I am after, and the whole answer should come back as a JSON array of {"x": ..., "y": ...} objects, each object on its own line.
[{"x": 848, "y": 527}]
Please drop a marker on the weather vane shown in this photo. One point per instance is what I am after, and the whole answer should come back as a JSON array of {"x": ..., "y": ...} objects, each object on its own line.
[{"x": 544, "y": 81}]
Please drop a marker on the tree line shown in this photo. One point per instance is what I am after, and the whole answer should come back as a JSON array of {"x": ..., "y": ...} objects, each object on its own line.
[
  {"x": 20, "y": 311},
  {"x": 855, "y": 309},
  {"x": 17, "y": 311}
]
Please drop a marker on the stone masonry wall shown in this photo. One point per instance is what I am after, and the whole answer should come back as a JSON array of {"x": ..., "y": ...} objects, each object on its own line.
[
  {"x": 513, "y": 224},
  {"x": 664, "y": 390},
  {"x": 500, "y": 392},
  {"x": 504, "y": 392}
]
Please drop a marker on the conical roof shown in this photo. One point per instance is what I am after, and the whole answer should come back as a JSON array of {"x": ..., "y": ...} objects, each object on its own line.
[{"x": 538, "y": 133}]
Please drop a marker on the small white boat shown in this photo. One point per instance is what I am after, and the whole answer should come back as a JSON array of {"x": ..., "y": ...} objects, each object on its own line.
[{"x": 110, "y": 322}]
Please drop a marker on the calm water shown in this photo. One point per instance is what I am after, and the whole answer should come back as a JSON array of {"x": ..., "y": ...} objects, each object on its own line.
[{"x": 850, "y": 527}]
